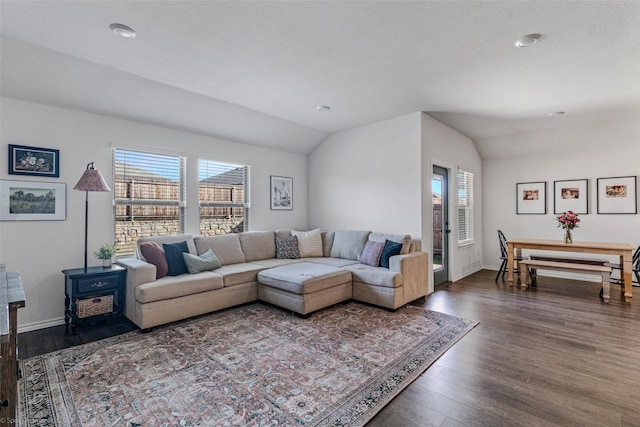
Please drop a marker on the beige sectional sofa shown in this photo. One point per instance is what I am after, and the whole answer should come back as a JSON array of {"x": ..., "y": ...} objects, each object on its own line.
[{"x": 151, "y": 302}]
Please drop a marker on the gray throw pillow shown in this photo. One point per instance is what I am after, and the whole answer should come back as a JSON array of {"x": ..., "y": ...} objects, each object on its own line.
[{"x": 197, "y": 263}]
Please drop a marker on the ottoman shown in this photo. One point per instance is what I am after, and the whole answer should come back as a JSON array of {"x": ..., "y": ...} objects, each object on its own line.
[{"x": 304, "y": 287}]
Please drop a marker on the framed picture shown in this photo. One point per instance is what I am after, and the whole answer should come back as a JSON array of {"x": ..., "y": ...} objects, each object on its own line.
[
  {"x": 32, "y": 201},
  {"x": 531, "y": 198},
  {"x": 34, "y": 161},
  {"x": 281, "y": 193},
  {"x": 571, "y": 195},
  {"x": 617, "y": 195}
]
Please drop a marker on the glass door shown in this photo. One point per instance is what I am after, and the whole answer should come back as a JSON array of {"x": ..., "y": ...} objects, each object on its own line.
[{"x": 440, "y": 249}]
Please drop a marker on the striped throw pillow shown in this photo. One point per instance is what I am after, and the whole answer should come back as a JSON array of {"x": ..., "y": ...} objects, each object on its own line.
[
  {"x": 371, "y": 253},
  {"x": 309, "y": 243}
]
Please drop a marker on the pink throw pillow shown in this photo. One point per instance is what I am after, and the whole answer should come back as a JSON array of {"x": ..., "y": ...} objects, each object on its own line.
[{"x": 153, "y": 254}]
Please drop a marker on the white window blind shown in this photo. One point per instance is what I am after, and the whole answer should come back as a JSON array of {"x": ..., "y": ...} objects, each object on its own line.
[
  {"x": 149, "y": 195},
  {"x": 465, "y": 207},
  {"x": 224, "y": 197}
]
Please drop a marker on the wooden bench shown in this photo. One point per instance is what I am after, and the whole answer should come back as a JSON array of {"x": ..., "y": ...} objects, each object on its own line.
[
  {"x": 564, "y": 258},
  {"x": 527, "y": 265}
]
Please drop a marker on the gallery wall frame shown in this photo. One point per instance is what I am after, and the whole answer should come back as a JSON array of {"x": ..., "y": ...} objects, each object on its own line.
[
  {"x": 618, "y": 195},
  {"x": 32, "y": 201},
  {"x": 531, "y": 198},
  {"x": 34, "y": 161},
  {"x": 571, "y": 195},
  {"x": 281, "y": 193}
]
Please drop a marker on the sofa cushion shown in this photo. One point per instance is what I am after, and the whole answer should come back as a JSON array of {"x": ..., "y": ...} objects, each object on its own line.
[
  {"x": 287, "y": 248},
  {"x": 349, "y": 244},
  {"x": 327, "y": 242},
  {"x": 335, "y": 262},
  {"x": 154, "y": 254},
  {"x": 304, "y": 278},
  {"x": 276, "y": 262},
  {"x": 371, "y": 253},
  {"x": 174, "y": 287},
  {"x": 160, "y": 240},
  {"x": 226, "y": 247},
  {"x": 309, "y": 243},
  {"x": 238, "y": 274},
  {"x": 197, "y": 263},
  {"x": 405, "y": 239},
  {"x": 258, "y": 245},
  {"x": 283, "y": 233},
  {"x": 175, "y": 261},
  {"x": 390, "y": 249},
  {"x": 375, "y": 276}
]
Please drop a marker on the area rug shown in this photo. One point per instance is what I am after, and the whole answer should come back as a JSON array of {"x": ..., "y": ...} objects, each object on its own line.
[{"x": 250, "y": 365}]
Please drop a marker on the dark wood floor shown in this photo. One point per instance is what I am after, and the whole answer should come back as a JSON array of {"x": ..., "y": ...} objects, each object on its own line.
[{"x": 552, "y": 356}]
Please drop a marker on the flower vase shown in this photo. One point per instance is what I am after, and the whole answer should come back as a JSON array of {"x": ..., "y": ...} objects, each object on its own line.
[
  {"x": 567, "y": 236},
  {"x": 106, "y": 263}
]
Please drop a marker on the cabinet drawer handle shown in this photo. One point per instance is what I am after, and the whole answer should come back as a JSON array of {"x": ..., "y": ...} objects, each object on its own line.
[{"x": 99, "y": 284}]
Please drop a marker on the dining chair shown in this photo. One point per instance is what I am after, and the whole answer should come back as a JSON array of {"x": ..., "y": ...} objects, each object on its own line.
[
  {"x": 504, "y": 256},
  {"x": 635, "y": 267}
]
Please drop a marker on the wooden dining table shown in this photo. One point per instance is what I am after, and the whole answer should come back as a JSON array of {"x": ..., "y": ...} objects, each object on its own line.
[{"x": 623, "y": 250}]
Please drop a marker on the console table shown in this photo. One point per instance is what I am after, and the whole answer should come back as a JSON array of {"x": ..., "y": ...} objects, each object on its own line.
[
  {"x": 11, "y": 299},
  {"x": 623, "y": 250}
]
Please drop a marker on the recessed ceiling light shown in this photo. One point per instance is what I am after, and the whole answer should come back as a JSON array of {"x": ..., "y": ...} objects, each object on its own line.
[
  {"x": 123, "y": 31},
  {"x": 323, "y": 108},
  {"x": 556, "y": 114},
  {"x": 528, "y": 40}
]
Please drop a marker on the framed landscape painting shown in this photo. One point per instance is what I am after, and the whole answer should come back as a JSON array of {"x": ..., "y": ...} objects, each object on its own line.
[
  {"x": 281, "y": 193},
  {"x": 32, "y": 201},
  {"x": 531, "y": 198},
  {"x": 617, "y": 195},
  {"x": 34, "y": 161},
  {"x": 571, "y": 195}
]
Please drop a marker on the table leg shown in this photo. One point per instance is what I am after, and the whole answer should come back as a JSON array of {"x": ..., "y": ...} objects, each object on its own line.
[
  {"x": 606, "y": 286},
  {"x": 510, "y": 262},
  {"x": 524, "y": 279},
  {"x": 625, "y": 262}
]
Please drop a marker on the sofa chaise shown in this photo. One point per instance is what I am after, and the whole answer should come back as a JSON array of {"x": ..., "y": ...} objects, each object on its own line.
[{"x": 328, "y": 268}]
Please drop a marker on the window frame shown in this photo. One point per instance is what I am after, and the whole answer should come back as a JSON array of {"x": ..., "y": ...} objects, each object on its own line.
[
  {"x": 133, "y": 201},
  {"x": 465, "y": 206},
  {"x": 244, "y": 204}
]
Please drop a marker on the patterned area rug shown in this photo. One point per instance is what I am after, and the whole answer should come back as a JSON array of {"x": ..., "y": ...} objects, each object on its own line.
[{"x": 250, "y": 365}]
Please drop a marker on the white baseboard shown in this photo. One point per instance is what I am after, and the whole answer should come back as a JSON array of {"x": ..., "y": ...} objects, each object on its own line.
[
  {"x": 467, "y": 273},
  {"x": 28, "y": 327}
]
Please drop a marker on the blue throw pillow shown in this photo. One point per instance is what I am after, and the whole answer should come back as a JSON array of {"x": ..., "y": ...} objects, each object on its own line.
[
  {"x": 390, "y": 249},
  {"x": 173, "y": 252}
]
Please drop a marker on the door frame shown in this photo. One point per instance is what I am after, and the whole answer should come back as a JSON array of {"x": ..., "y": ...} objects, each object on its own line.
[{"x": 442, "y": 274}]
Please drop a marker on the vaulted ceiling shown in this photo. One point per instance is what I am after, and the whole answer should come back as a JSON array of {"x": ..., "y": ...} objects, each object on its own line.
[{"x": 256, "y": 71}]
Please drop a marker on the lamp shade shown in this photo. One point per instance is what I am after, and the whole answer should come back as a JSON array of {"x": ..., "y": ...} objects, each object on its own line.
[{"x": 92, "y": 180}]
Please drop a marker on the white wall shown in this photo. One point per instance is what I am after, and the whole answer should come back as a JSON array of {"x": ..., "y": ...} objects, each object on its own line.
[
  {"x": 39, "y": 250},
  {"x": 378, "y": 177},
  {"x": 448, "y": 148},
  {"x": 368, "y": 178},
  {"x": 589, "y": 151}
]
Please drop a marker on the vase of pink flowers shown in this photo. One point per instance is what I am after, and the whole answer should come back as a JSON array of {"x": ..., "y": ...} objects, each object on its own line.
[{"x": 568, "y": 221}]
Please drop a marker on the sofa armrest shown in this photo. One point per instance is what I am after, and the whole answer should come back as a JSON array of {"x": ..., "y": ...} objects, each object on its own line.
[
  {"x": 138, "y": 271},
  {"x": 414, "y": 268}
]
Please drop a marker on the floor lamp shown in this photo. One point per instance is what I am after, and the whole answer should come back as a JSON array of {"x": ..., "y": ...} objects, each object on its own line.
[{"x": 91, "y": 180}]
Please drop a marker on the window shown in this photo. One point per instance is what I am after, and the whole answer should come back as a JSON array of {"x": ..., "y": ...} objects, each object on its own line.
[
  {"x": 149, "y": 194},
  {"x": 465, "y": 207},
  {"x": 223, "y": 195}
]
